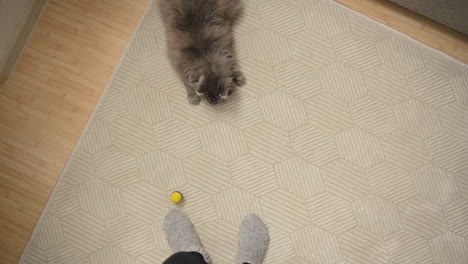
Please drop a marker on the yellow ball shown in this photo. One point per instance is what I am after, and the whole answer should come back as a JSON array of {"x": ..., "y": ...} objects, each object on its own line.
[{"x": 176, "y": 197}]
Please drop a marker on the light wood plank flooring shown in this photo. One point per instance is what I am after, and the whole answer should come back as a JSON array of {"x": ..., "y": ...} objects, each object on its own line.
[
  {"x": 48, "y": 100},
  {"x": 61, "y": 75}
]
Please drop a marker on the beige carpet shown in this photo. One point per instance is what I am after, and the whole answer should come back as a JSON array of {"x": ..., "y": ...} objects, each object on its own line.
[{"x": 349, "y": 139}]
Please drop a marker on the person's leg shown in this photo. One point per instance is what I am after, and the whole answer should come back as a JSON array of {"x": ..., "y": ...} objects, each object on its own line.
[
  {"x": 253, "y": 241},
  {"x": 185, "y": 258},
  {"x": 182, "y": 238}
]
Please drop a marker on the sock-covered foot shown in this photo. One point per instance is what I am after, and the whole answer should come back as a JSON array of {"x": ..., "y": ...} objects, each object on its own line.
[
  {"x": 181, "y": 235},
  {"x": 253, "y": 240}
]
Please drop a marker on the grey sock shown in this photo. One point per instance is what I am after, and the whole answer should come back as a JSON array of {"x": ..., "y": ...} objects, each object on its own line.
[
  {"x": 253, "y": 240},
  {"x": 181, "y": 235}
]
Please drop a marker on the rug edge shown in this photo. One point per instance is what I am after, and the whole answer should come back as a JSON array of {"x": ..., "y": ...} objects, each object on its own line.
[
  {"x": 123, "y": 55},
  {"x": 401, "y": 34},
  {"x": 85, "y": 130}
]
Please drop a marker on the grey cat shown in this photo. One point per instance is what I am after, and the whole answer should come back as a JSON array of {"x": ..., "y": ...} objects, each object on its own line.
[{"x": 200, "y": 46}]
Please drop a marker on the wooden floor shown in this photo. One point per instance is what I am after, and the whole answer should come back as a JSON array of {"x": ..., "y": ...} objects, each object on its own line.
[
  {"x": 60, "y": 77},
  {"x": 48, "y": 100}
]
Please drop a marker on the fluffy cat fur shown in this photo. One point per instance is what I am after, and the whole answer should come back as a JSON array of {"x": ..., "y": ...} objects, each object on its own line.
[{"x": 200, "y": 46}]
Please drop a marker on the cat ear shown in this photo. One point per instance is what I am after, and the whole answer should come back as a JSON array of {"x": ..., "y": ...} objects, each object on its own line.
[
  {"x": 196, "y": 80},
  {"x": 196, "y": 83},
  {"x": 201, "y": 79},
  {"x": 238, "y": 78}
]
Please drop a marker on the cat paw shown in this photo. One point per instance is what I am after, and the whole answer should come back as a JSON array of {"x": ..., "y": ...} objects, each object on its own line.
[
  {"x": 194, "y": 99},
  {"x": 239, "y": 79}
]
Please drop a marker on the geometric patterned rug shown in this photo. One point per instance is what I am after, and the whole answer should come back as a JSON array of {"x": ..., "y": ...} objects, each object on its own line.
[{"x": 349, "y": 139}]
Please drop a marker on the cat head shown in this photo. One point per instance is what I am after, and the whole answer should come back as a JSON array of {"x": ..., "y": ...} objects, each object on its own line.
[
  {"x": 212, "y": 85},
  {"x": 213, "y": 73}
]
